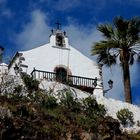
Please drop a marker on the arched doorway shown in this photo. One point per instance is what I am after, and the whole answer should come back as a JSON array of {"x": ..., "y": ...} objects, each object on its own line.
[{"x": 61, "y": 74}]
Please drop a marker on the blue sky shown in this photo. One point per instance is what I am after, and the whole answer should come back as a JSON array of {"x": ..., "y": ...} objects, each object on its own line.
[{"x": 25, "y": 24}]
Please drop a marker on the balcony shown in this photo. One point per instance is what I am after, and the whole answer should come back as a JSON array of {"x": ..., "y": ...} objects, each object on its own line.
[{"x": 83, "y": 83}]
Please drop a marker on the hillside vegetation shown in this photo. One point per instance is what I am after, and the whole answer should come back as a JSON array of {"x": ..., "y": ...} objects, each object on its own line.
[{"x": 39, "y": 115}]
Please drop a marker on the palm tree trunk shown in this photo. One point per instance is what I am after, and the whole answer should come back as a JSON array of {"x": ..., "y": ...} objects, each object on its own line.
[{"x": 127, "y": 84}]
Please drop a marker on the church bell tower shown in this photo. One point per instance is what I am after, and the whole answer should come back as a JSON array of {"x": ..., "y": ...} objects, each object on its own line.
[{"x": 58, "y": 38}]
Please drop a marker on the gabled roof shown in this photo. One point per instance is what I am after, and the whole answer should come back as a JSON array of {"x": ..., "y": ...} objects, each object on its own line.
[{"x": 13, "y": 59}]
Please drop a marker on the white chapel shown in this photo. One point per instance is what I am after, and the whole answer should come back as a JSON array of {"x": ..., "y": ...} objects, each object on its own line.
[{"x": 59, "y": 61}]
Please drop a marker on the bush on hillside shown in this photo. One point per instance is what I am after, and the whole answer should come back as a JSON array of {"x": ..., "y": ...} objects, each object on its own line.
[
  {"x": 31, "y": 84},
  {"x": 125, "y": 117},
  {"x": 69, "y": 102},
  {"x": 93, "y": 108},
  {"x": 50, "y": 102}
]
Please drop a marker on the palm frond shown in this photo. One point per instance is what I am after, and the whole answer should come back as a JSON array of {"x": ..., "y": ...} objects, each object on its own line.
[
  {"x": 107, "y": 30},
  {"x": 98, "y": 47},
  {"x": 106, "y": 59},
  {"x": 101, "y": 49},
  {"x": 122, "y": 35},
  {"x": 120, "y": 24}
]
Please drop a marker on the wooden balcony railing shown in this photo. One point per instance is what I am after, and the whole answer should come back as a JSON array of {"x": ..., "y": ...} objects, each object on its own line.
[{"x": 71, "y": 79}]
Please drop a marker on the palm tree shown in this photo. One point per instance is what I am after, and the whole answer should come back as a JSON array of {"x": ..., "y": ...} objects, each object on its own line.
[{"x": 121, "y": 40}]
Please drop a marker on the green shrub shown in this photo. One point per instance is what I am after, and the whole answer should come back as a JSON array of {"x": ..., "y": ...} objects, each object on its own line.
[
  {"x": 30, "y": 83},
  {"x": 101, "y": 110},
  {"x": 18, "y": 89},
  {"x": 86, "y": 122},
  {"x": 92, "y": 108},
  {"x": 90, "y": 103},
  {"x": 69, "y": 102},
  {"x": 50, "y": 102},
  {"x": 67, "y": 99},
  {"x": 125, "y": 117}
]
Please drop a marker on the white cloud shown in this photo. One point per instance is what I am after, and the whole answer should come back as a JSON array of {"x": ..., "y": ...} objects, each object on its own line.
[
  {"x": 36, "y": 33},
  {"x": 82, "y": 38}
]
